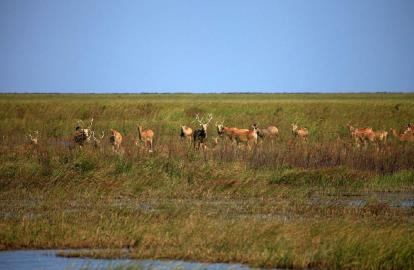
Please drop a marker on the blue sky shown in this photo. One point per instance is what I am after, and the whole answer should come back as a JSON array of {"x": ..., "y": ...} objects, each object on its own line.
[{"x": 206, "y": 46}]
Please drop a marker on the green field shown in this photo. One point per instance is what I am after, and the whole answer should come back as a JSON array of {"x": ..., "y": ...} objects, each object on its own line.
[{"x": 322, "y": 204}]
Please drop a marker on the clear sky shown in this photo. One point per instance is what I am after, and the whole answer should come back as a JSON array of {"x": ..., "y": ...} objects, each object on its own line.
[{"x": 206, "y": 45}]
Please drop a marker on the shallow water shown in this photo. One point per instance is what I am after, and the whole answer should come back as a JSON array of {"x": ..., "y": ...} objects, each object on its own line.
[{"x": 47, "y": 260}]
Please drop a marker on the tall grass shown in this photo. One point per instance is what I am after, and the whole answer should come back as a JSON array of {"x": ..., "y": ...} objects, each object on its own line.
[{"x": 280, "y": 204}]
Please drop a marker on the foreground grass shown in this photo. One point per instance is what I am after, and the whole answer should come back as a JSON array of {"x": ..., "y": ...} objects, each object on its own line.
[{"x": 281, "y": 205}]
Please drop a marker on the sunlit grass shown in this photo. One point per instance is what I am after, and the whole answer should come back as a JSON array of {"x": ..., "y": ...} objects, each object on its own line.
[{"x": 286, "y": 204}]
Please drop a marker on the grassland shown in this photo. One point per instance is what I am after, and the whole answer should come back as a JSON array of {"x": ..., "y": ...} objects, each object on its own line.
[{"x": 321, "y": 204}]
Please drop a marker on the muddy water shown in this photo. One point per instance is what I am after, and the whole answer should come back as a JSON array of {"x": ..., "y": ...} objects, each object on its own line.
[{"x": 47, "y": 260}]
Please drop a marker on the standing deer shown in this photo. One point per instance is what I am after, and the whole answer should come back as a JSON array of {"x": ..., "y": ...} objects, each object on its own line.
[
  {"x": 33, "y": 137},
  {"x": 146, "y": 136},
  {"x": 186, "y": 133},
  {"x": 404, "y": 137},
  {"x": 270, "y": 132},
  {"x": 246, "y": 136},
  {"x": 83, "y": 135},
  {"x": 115, "y": 139},
  {"x": 363, "y": 135},
  {"x": 410, "y": 128},
  {"x": 300, "y": 132},
  {"x": 200, "y": 135},
  {"x": 225, "y": 131}
]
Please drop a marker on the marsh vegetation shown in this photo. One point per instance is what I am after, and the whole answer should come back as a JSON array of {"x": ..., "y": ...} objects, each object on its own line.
[{"x": 323, "y": 202}]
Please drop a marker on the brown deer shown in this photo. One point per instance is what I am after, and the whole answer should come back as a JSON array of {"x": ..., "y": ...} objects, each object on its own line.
[
  {"x": 146, "y": 136},
  {"x": 115, "y": 139},
  {"x": 363, "y": 135},
  {"x": 300, "y": 132},
  {"x": 404, "y": 137},
  {"x": 410, "y": 128},
  {"x": 228, "y": 132},
  {"x": 33, "y": 137},
  {"x": 186, "y": 133},
  {"x": 270, "y": 132},
  {"x": 246, "y": 136}
]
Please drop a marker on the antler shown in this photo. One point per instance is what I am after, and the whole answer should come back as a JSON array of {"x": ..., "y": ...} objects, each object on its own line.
[
  {"x": 103, "y": 134},
  {"x": 90, "y": 124},
  {"x": 79, "y": 123},
  {"x": 200, "y": 121},
  {"x": 210, "y": 118}
]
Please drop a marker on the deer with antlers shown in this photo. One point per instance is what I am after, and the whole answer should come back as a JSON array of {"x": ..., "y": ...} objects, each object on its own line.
[
  {"x": 115, "y": 139},
  {"x": 33, "y": 137},
  {"x": 300, "y": 132},
  {"x": 200, "y": 135},
  {"x": 82, "y": 134},
  {"x": 361, "y": 134},
  {"x": 146, "y": 136}
]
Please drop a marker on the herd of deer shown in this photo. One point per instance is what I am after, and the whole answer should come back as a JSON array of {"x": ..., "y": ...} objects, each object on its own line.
[
  {"x": 366, "y": 135},
  {"x": 198, "y": 137}
]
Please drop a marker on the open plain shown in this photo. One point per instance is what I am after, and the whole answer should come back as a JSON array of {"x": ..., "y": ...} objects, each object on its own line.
[{"x": 325, "y": 203}]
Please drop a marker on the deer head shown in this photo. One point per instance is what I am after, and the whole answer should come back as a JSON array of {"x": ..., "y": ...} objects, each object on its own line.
[
  {"x": 220, "y": 127},
  {"x": 203, "y": 124},
  {"x": 34, "y": 138}
]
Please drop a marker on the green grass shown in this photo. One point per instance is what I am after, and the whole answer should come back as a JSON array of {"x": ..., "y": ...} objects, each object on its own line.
[{"x": 280, "y": 205}]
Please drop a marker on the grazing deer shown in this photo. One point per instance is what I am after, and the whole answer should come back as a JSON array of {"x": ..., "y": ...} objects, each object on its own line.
[
  {"x": 186, "y": 132},
  {"x": 33, "y": 137},
  {"x": 300, "y": 132},
  {"x": 146, "y": 136},
  {"x": 247, "y": 136},
  {"x": 200, "y": 135},
  {"x": 361, "y": 134},
  {"x": 115, "y": 139},
  {"x": 404, "y": 137},
  {"x": 270, "y": 132},
  {"x": 83, "y": 135}
]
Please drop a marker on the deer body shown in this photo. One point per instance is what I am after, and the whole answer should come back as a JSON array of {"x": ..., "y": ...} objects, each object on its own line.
[
  {"x": 246, "y": 136},
  {"x": 405, "y": 137},
  {"x": 33, "y": 137},
  {"x": 115, "y": 139},
  {"x": 226, "y": 131},
  {"x": 362, "y": 134},
  {"x": 302, "y": 133},
  {"x": 200, "y": 135},
  {"x": 83, "y": 135},
  {"x": 410, "y": 128},
  {"x": 186, "y": 132},
  {"x": 269, "y": 132},
  {"x": 146, "y": 136}
]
